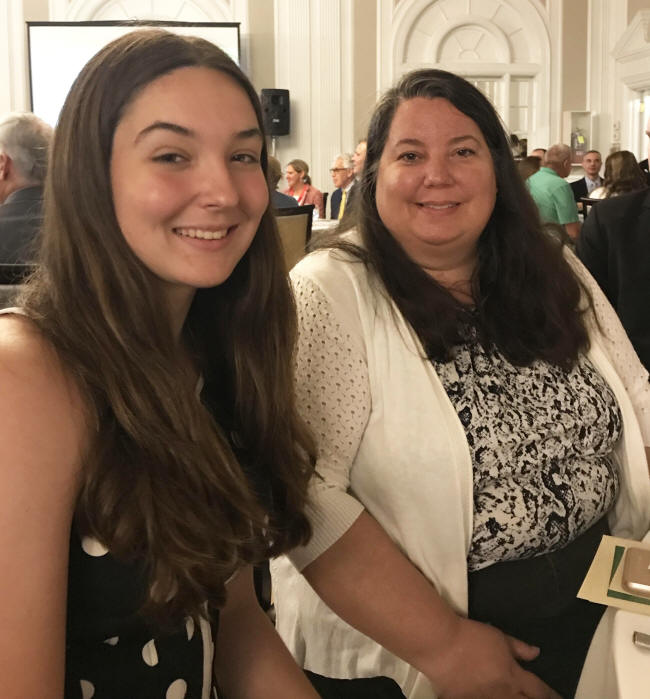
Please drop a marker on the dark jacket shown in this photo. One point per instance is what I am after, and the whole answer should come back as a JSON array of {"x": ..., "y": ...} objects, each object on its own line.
[
  {"x": 20, "y": 222},
  {"x": 579, "y": 188},
  {"x": 351, "y": 204},
  {"x": 335, "y": 202},
  {"x": 282, "y": 201},
  {"x": 614, "y": 245}
]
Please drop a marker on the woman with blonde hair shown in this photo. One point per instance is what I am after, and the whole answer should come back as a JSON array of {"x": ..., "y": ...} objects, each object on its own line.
[
  {"x": 151, "y": 452},
  {"x": 301, "y": 188}
]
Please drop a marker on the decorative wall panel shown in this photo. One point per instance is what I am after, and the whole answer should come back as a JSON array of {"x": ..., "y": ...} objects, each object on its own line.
[{"x": 503, "y": 44}]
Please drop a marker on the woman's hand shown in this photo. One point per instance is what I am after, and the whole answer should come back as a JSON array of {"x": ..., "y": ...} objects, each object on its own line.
[
  {"x": 369, "y": 583},
  {"x": 480, "y": 662}
]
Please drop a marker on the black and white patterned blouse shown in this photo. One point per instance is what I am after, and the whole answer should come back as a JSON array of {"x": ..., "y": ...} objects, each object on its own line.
[{"x": 541, "y": 442}]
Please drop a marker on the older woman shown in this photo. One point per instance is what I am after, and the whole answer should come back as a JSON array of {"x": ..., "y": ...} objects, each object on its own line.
[
  {"x": 477, "y": 415},
  {"x": 300, "y": 186}
]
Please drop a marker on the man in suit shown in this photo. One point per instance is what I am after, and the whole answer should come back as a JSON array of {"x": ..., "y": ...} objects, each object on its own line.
[
  {"x": 358, "y": 160},
  {"x": 552, "y": 192},
  {"x": 24, "y": 148},
  {"x": 591, "y": 164},
  {"x": 343, "y": 179}
]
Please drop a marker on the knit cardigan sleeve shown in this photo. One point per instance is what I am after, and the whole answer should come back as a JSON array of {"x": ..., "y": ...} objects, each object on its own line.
[
  {"x": 616, "y": 343},
  {"x": 333, "y": 397}
]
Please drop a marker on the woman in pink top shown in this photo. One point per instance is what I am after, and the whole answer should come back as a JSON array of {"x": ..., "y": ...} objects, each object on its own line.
[{"x": 300, "y": 186}]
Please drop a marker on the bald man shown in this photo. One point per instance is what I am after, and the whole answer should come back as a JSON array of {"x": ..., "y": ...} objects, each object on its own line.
[{"x": 552, "y": 193}]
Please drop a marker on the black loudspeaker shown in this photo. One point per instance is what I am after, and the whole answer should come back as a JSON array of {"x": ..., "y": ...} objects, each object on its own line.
[{"x": 275, "y": 109}]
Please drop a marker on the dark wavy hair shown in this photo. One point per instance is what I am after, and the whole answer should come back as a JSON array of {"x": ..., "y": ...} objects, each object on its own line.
[
  {"x": 527, "y": 298},
  {"x": 191, "y": 488}
]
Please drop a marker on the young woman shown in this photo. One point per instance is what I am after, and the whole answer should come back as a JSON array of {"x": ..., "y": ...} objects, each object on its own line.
[{"x": 150, "y": 448}]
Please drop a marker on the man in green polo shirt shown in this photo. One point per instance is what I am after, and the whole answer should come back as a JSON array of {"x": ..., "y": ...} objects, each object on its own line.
[{"x": 552, "y": 193}]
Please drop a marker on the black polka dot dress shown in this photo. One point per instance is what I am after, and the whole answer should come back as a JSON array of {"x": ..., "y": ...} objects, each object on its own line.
[{"x": 111, "y": 652}]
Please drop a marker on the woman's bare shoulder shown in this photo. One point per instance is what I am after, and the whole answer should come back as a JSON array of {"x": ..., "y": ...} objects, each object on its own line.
[
  {"x": 37, "y": 394},
  {"x": 18, "y": 332},
  {"x": 42, "y": 447},
  {"x": 23, "y": 347}
]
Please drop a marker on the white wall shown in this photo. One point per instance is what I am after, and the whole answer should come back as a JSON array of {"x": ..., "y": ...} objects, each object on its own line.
[
  {"x": 13, "y": 73},
  {"x": 334, "y": 56}
]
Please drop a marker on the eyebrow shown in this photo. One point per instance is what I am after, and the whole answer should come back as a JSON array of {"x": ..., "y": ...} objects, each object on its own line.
[
  {"x": 184, "y": 131},
  {"x": 417, "y": 142},
  {"x": 249, "y": 133},
  {"x": 165, "y": 126}
]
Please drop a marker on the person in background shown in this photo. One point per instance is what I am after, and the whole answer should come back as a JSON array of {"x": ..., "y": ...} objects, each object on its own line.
[
  {"x": 518, "y": 151},
  {"x": 359, "y": 158},
  {"x": 539, "y": 153},
  {"x": 644, "y": 168},
  {"x": 278, "y": 199},
  {"x": 358, "y": 161},
  {"x": 300, "y": 187},
  {"x": 343, "y": 179},
  {"x": 591, "y": 164},
  {"x": 150, "y": 448},
  {"x": 622, "y": 175},
  {"x": 552, "y": 193},
  {"x": 469, "y": 402},
  {"x": 24, "y": 149},
  {"x": 644, "y": 163},
  {"x": 528, "y": 166},
  {"x": 614, "y": 247}
]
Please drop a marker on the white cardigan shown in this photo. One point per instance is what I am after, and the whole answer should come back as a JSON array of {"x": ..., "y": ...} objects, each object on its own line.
[{"x": 390, "y": 442}]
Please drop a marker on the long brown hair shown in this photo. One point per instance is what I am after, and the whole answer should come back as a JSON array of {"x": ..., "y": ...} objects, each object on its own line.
[
  {"x": 164, "y": 482},
  {"x": 623, "y": 173},
  {"x": 528, "y": 300}
]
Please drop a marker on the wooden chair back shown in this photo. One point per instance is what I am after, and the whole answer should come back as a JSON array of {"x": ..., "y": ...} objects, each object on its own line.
[{"x": 294, "y": 226}]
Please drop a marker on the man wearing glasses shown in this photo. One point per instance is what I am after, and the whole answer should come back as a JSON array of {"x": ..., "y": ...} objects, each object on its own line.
[{"x": 343, "y": 178}]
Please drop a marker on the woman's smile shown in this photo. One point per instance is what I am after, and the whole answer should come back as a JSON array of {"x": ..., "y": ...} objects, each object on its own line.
[
  {"x": 436, "y": 185},
  {"x": 189, "y": 192}
]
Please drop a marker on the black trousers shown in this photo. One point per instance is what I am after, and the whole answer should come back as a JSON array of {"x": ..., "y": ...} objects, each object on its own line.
[
  {"x": 534, "y": 599},
  {"x": 368, "y": 688}
]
